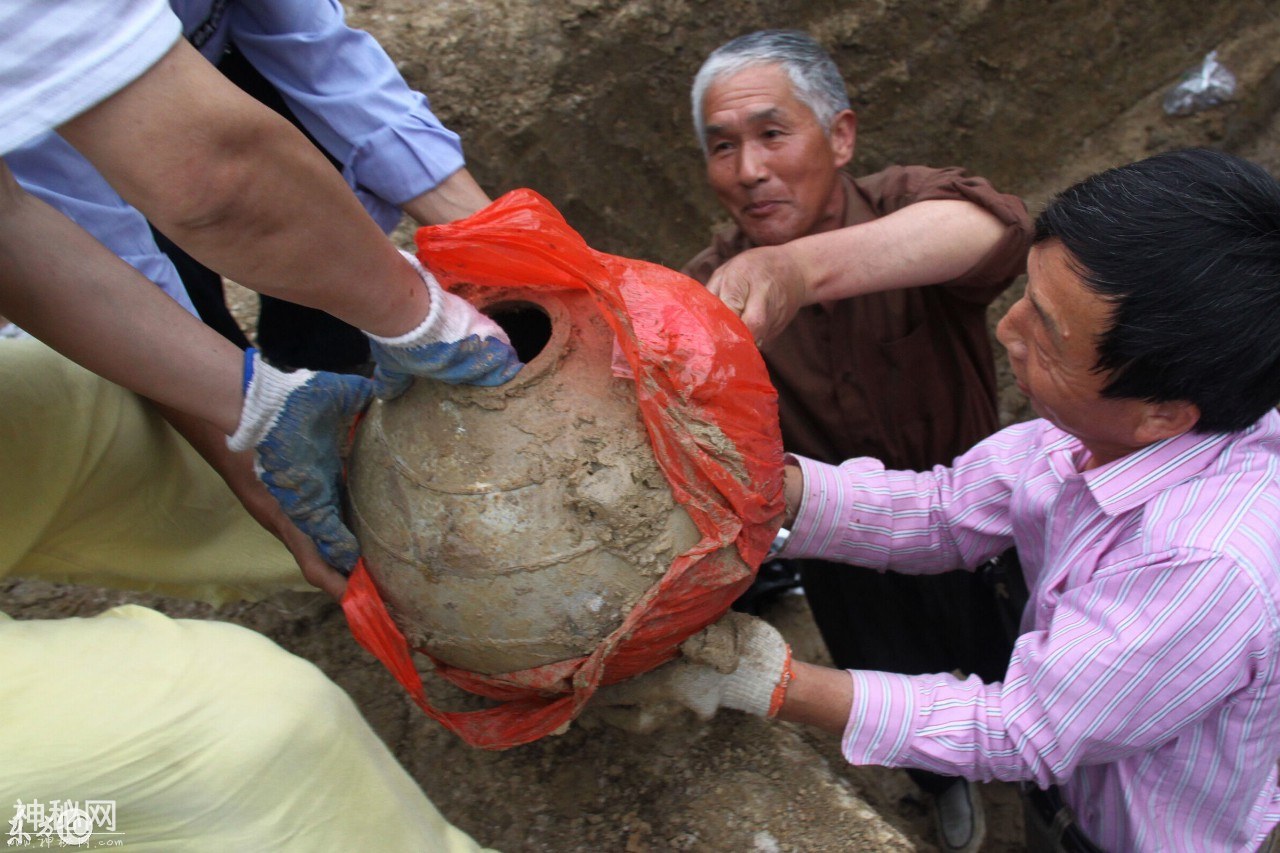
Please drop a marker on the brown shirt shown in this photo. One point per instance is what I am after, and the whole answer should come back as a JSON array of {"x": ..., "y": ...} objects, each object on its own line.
[{"x": 905, "y": 376}]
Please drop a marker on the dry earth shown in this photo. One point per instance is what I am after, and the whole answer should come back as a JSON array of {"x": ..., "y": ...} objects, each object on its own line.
[{"x": 585, "y": 101}]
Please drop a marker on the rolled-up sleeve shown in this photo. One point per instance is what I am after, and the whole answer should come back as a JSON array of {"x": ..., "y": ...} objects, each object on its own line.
[
  {"x": 350, "y": 96},
  {"x": 900, "y": 186}
]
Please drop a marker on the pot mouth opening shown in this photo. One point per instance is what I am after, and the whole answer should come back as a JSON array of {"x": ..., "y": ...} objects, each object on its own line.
[
  {"x": 527, "y": 325},
  {"x": 538, "y": 326}
]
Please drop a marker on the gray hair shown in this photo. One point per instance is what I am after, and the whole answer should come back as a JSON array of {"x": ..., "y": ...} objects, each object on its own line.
[{"x": 814, "y": 75}]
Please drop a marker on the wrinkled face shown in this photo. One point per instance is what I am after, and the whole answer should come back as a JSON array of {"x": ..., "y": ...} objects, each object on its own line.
[
  {"x": 769, "y": 160},
  {"x": 1051, "y": 335}
]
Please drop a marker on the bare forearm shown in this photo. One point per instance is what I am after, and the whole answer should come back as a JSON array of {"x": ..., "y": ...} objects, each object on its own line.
[
  {"x": 455, "y": 197},
  {"x": 818, "y": 696},
  {"x": 67, "y": 289},
  {"x": 236, "y": 470},
  {"x": 211, "y": 444},
  {"x": 924, "y": 243},
  {"x": 244, "y": 192},
  {"x": 793, "y": 492}
]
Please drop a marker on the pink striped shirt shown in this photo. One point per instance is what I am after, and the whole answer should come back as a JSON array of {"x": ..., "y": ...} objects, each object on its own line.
[{"x": 1145, "y": 680}]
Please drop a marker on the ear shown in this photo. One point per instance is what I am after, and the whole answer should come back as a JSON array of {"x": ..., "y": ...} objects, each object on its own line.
[
  {"x": 844, "y": 133},
  {"x": 1166, "y": 420}
]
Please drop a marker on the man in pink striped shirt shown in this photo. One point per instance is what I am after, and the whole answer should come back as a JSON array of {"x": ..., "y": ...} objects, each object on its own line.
[{"x": 1143, "y": 691}]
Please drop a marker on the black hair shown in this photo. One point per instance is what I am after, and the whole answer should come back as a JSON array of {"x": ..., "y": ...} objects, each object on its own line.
[{"x": 1185, "y": 246}]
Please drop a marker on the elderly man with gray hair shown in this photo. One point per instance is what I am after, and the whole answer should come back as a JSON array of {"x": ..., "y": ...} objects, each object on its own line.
[{"x": 875, "y": 335}]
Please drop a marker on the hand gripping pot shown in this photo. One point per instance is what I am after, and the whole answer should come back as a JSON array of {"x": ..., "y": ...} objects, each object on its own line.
[{"x": 570, "y": 528}]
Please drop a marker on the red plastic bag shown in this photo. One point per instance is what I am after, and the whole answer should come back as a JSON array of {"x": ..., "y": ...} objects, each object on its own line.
[{"x": 692, "y": 361}]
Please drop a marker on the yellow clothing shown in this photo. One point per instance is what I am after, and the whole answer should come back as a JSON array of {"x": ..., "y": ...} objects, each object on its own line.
[
  {"x": 95, "y": 487},
  {"x": 202, "y": 735}
]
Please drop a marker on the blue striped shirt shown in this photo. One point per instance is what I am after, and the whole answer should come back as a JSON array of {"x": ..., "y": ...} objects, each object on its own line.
[{"x": 338, "y": 81}]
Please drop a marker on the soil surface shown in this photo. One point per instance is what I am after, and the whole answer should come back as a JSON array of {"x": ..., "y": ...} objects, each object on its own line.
[{"x": 586, "y": 101}]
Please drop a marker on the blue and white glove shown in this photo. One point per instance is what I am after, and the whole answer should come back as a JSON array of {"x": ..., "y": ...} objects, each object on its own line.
[
  {"x": 295, "y": 423},
  {"x": 454, "y": 344}
]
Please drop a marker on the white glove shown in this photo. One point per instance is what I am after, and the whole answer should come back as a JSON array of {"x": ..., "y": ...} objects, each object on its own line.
[
  {"x": 296, "y": 423},
  {"x": 739, "y": 662},
  {"x": 455, "y": 343}
]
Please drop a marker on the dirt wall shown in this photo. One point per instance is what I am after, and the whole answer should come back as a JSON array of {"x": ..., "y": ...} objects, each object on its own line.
[{"x": 586, "y": 101}]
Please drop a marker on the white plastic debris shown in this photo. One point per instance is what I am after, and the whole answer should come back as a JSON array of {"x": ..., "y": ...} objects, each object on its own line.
[{"x": 1208, "y": 86}]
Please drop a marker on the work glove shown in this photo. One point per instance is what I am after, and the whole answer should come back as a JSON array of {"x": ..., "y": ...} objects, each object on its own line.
[
  {"x": 739, "y": 662},
  {"x": 295, "y": 424},
  {"x": 455, "y": 344}
]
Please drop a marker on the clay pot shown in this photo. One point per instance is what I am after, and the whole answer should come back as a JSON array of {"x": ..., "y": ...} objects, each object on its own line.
[{"x": 512, "y": 527}]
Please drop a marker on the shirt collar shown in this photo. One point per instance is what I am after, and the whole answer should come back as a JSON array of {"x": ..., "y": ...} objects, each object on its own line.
[
  {"x": 857, "y": 207},
  {"x": 1132, "y": 480}
]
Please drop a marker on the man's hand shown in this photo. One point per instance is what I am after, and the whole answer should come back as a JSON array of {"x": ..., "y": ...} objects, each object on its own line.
[
  {"x": 237, "y": 471},
  {"x": 455, "y": 344},
  {"x": 739, "y": 662},
  {"x": 295, "y": 423},
  {"x": 264, "y": 508},
  {"x": 765, "y": 286}
]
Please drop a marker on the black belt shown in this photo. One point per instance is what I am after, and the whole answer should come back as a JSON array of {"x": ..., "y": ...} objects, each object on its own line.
[{"x": 1057, "y": 820}]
